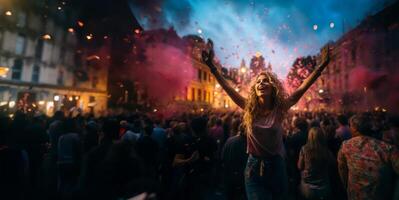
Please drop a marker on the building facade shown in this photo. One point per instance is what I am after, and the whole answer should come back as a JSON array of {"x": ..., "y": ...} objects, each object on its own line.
[
  {"x": 364, "y": 72},
  {"x": 43, "y": 67}
]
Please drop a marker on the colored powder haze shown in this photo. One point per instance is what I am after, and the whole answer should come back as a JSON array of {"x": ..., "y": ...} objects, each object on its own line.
[{"x": 280, "y": 30}]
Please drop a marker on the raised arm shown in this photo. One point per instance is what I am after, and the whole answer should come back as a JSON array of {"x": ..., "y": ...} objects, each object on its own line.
[
  {"x": 298, "y": 93},
  {"x": 207, "y": 57}
]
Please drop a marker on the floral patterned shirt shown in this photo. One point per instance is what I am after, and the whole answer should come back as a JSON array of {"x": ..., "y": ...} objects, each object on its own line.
[{"x": 367, "y": 167}]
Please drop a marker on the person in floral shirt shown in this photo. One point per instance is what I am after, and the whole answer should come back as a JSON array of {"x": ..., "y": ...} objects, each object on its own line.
[{"x": 367, "y": 166}]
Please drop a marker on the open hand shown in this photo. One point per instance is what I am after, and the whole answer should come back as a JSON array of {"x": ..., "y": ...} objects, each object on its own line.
[{"x": 208, "y": 54}]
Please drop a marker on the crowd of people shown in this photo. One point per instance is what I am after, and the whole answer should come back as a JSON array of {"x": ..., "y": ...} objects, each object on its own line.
[{"x": 193, "y": 156}]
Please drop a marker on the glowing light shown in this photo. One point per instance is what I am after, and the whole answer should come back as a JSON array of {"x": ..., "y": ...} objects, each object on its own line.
[
  {"x": 41, "y": 102},
  {"x": 77, "y": 98},
  {"x": 226, "y": 106},
  {"x": 50, "y": 105},
  {"x": 80, "y": 23},
  {"x": 70, "y": 98},
  {"x": 384, "y": 110},
  {"x": 3, "y": 103},
  {"x": 321, "y": 91},
  {"x": 93, "y": 57},
  {"x": 243, "y": 70},
  {"x": 46, "y": 37},
  {"x": 199, "y": 31},
  {"x": 8, "y": 13},
  {"x": 59, "y": 8},
  {"x": 237, "y": 90},
  {"x": 11, "y": 104},
  {"x": 155, "y": 110},
  {"x": 202, "y": 110},
  {"x": 89, "y": 37},
  {"x": 105, "y": 37},
  {"x": 56, "y": 98},
  {"x": 137, "y": 31},
  {"x": 4, "y": 71},
  {"x": 11, "y": 115},
  {"x": 332, "y": 25},
  {"x": 258, "y": 54},
  {"x": 315, "y": 27},
  {"x": 71, "y": 30},
  {"x": 217, "y": 85}
]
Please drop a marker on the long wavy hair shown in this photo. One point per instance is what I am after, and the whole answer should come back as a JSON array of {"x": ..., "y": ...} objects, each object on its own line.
[
  {"x": 253, "y": 106},
  {"x": 315, "y": 149}
]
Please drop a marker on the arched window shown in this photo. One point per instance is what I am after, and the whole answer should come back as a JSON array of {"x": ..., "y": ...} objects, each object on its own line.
[
  {"x": 17, "y": 69},
  {"x": 35, "y": 73}
]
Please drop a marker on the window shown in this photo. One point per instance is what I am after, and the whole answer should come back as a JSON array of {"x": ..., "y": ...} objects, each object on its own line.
[
  {"x": 60, "y": 78},
  {"x": 192, "y": 94},
  {"x": 39, "y": 49},
  {"x": 205, "y": 76},
  {"x": 185, "y": 93},
  {"x": 94, "y": 82},
  {"x": 35, "y": 74},
  {"x": 204, "y": 95},
  {"x": 21, "y": 21},
  {"x": 20, "y": 44},
  {"x": 199, "y": 95},
  {"x": 17, "y": 69},
  {"x": 199, "y": 74}
]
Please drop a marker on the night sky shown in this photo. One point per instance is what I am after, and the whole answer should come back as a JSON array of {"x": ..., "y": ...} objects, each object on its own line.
[{"x": 280, "y": 30}]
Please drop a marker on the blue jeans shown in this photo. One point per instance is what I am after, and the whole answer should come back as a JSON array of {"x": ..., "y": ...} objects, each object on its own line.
[{"x": 266, "y": 178}]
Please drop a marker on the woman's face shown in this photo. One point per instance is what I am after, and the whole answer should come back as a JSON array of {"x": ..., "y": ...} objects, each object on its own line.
[{"x": 263, "y": 86}]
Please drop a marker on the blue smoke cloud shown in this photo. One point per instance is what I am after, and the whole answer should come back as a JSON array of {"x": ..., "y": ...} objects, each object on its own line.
[{"x": 281, "y": 30}]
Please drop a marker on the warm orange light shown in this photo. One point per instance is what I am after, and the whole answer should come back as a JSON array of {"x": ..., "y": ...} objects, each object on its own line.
[
  {"x": 89, "y": 37},
  {"x": 8, "y": 13},
  {"x": 4, "y": 71},
  {"x": 93, "y": 57},
  {"x": 80, "y": 23},
  {"x": 47, "y": 37},
  {"x": 71, "y": 30},
  {"x": 137, "y": 31}
]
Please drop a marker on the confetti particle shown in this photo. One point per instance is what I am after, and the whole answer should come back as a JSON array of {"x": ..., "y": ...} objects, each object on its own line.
[
  {"x": 80, "y": 23},
  {"x": 315, "y": 27}
]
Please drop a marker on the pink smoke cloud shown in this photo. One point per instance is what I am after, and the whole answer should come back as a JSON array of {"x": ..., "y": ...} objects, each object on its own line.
[{"x": 165, "y": 74}]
